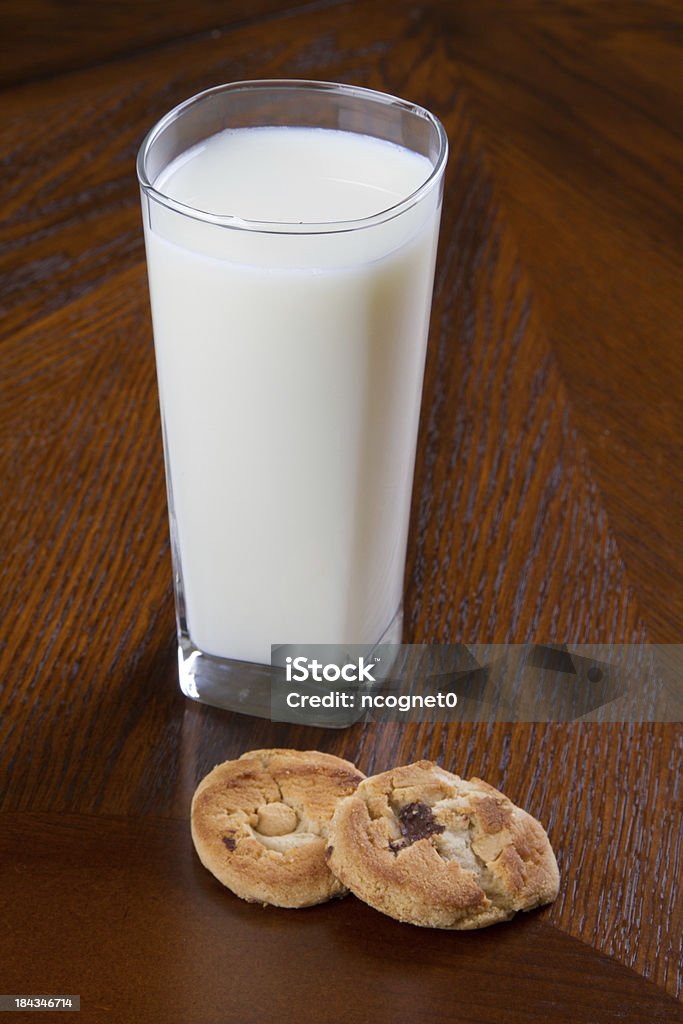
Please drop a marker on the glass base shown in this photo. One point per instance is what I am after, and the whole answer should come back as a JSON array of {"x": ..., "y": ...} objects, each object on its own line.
[{"x": 245, "y": 686}]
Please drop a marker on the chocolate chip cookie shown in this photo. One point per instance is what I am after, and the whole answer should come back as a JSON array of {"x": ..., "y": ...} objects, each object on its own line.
[
  {"x": 260, "y": 824},
  {"x": 432, "y": 849}
]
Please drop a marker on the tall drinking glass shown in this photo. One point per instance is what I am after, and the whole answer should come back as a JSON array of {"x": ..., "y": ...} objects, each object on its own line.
[{"x": 291, "y": 231}]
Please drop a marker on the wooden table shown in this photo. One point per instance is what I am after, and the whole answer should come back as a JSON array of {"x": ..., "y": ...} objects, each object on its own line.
[{"x": 547, "y": 507}]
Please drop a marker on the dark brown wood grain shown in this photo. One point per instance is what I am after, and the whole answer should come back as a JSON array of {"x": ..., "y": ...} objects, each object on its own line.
[
  {"x": 44, "y": 37},
  {"x": 546, "y": 505},
  {"x": 173, "y": 945},
  {"x": 579, "y": 114}
]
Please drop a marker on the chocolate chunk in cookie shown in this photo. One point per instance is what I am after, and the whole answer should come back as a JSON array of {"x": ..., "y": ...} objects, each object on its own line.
[{"x": 432, "y": 849}]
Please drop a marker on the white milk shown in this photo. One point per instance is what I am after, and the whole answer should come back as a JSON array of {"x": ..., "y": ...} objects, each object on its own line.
[{"x": 290, "y": 371}]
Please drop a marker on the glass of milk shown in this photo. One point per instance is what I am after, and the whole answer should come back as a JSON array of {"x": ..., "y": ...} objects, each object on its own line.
[{"x": 291, "y": 231}]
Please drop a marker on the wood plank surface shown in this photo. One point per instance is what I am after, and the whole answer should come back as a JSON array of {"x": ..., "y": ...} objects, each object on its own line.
[
  {"x": 578, "y": 108},
  {"x": 45, "y": 37},
  {"x": 171, "y": 945},
  {"x": 547, "y": 500}
]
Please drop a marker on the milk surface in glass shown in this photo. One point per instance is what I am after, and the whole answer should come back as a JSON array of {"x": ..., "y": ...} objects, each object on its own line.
[{"x": 290, "y": 372}]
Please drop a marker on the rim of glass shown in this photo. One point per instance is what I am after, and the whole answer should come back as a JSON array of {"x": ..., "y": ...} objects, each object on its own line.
[{"x": 293, "y": 227}]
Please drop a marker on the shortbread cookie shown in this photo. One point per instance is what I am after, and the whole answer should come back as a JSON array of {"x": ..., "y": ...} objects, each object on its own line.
[
  {"x": 260, "y": 824},
  {"x": 432, "y": 849}
]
